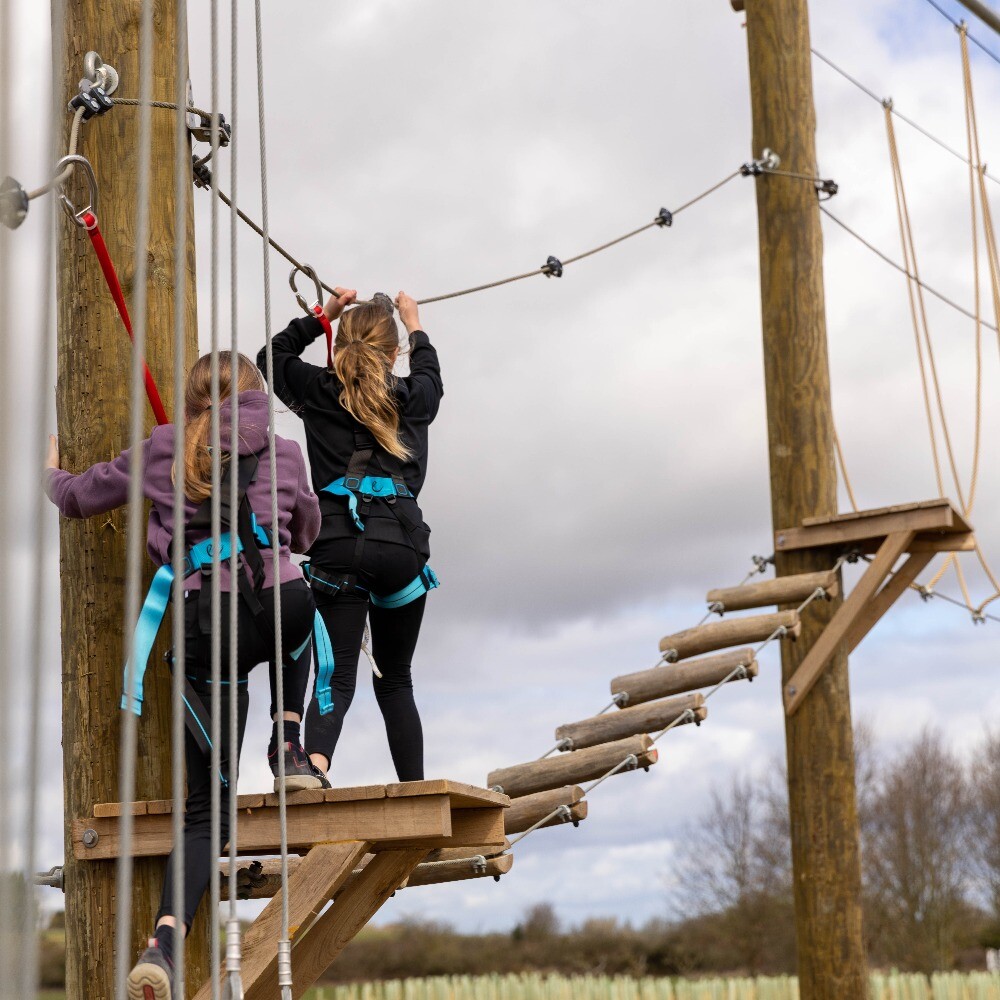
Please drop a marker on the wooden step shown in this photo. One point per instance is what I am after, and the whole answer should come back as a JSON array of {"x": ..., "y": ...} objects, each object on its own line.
[
  {"x": 729, "y": 632},
  {"x": 650, "y": 718},
  {"x": 526, "y": 811},
  {"x": 261, "y": 878},
  {"x": 571, "y": 768},
  {"x": 932, "y": 520},
  {"x": 661, "y": 682},
  {"x": 768, "y": 593}
]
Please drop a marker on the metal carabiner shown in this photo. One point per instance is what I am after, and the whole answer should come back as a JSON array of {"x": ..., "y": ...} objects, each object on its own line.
[
  {"x": 310, "y": 272},
  {"x": 68, "y": 206}
]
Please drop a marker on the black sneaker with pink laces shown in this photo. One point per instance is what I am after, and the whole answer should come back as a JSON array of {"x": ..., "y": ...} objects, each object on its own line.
[{"x": 299, "y": 771}]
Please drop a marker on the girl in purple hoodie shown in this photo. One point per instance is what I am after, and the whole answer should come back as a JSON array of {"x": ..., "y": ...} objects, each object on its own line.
[{"x": 102, "y": 488}]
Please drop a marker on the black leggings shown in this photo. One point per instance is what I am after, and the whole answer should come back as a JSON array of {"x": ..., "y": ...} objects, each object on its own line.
[
  {"x": 385, "y": 568},
  {"x": 297, "y": 613}
]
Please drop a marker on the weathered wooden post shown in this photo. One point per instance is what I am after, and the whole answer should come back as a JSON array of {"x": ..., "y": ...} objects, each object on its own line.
[{"x": 93, "y": 378}]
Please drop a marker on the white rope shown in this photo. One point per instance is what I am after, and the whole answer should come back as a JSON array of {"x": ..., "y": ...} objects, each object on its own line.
[
  {"x": 216, "y": 528},
  {"x": 284, "y": 945},
  {"x": 136, "y": 508},
  {"x": 182, "y": 174},
  {"x": 234, "y": 978}
]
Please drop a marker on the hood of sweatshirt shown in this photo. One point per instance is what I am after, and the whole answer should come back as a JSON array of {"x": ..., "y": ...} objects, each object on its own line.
[{"x": 253, "y": 422}]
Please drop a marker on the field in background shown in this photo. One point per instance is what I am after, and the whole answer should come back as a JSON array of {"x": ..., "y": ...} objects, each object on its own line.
[{"x": 895, "y": 986}]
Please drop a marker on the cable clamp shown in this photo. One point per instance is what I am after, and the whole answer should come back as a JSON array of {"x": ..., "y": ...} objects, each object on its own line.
[
  {"x": 553, "y": 267},
  {"x": 620, "y": 699},
  {"x": 762, "y": 562},
  {"x": 13, "y": 203},
  {"x": 79, "y": 216},
  {"x": 664, "y": 218},
  {"x": 93, "y": 99},
  {"x": 717, "y": 608},
  {"x": 828, "y": 187},
  {"x": 497, "y": 788},
  {"x": 926, "y": 593},
  {"x": 478, "y": 864},
  {"x": 769, "y": 160},
  {"x": 200, "y": 171},
  {"x": 202, "y": 131},
  {"x": 564, "y": 744},
  {"x": 978, "y": 618},
  {"x": 631, "y": 762}
]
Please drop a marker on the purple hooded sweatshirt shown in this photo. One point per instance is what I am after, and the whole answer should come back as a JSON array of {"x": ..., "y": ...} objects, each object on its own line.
[{"x": 104, "y": 487}]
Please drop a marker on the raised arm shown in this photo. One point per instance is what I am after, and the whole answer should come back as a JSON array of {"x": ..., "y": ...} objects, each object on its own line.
[
  {"x": 425, "y": 369},
  {"x": 101, "y": 488},
  {"x": 291, "y": 373}
]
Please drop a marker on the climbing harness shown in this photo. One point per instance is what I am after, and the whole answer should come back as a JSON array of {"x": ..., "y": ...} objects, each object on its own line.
[{"x": 86, "y": 218}]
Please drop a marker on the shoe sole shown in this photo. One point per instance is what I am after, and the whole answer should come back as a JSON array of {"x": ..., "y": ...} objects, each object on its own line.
[
  {"x": 296, "y": 783},
  {"x": 148, "y": 982}
]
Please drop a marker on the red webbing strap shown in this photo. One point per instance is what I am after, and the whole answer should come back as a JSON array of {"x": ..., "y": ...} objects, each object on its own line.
[
  {"x": 89, "y": 221},
  {"x": 328, "y": 330}
]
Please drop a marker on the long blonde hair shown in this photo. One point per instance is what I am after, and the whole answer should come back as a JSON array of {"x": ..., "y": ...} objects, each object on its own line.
[
  {"x": 363, "y": 354},
  {"x": 198, "y": 415}
]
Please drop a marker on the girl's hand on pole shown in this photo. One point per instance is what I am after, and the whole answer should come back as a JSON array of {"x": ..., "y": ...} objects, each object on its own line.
[
  {"x": 52, "y": 458},
  {"x": 407, "y": 306},
  {"x": 338, "y": 302}
]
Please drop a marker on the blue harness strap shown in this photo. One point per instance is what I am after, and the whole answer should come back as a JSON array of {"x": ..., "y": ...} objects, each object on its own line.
[
  {"x": 424, "y": 582},
  {"x": 153, "y": 610},
  {"x": 324, "y": 665},
  {"x": 369, "y": 486}
]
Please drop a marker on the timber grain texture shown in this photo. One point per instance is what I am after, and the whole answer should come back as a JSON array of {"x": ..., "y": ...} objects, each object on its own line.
[
  {"x": 678, "y": 678},
  {"x": 727, "y": 632}
]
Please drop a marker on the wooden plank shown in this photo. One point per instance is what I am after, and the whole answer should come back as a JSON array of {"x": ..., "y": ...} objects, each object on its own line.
[
  {"x": 894, "y": 588},
  {"x": 462, "y": 796},
  {"x": 106, "y": 809},
  {"x": 528, "y": 810},
  {"x": 571, "y": 768},
  {"x": 436, "y": 872},
  {"x": 468, "y": 826},
  {"x": 929, "y": 516},
  {"x": 935, "y": 542},
  {"x": 784, "y": 590},
  {"x": 356, "y": 793},
  {"x": 356, "y": 904},
  {"x": 652, "y": 717},
  {"x": 809, "y": 670},
  {"x": 678, "y": 678},
  {"x": 728, "y": 632},
  {"x": 311, "y": 885},
  {"x": 865, "y": 515},
  {"x": 424, "y": 819}
]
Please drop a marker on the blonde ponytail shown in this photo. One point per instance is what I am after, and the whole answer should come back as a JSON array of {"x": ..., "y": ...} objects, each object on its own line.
[{"x": 367, "y": 338}]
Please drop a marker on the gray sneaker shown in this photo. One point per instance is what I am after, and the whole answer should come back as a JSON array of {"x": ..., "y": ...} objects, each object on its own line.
[{"x": 152, "y": 977}]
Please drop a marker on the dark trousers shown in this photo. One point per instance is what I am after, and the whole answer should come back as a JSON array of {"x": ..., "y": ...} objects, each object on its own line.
[
  {"x": 385, "y": 568},
  {"x": 297, "y": 613}
]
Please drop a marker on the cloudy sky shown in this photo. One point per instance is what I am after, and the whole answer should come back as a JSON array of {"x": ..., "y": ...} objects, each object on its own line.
[{"x": 600, "y": 457}]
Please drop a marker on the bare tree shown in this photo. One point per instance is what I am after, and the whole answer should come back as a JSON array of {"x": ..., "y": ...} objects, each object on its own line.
[
  {"x": 985, "y": 823},
  {"x": 915, "y": 832}
]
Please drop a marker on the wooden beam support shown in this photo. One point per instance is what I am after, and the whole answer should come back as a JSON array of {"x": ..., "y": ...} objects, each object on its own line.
[
  {"x": 928, "y": 516},
  {"x": 530, "y": 809},
  {"x": 356, "y": 904},
  {"x": 649, "y": 718},
  {"x": 678, "y": 678},
  {"x": 572, "y": 768},
  {"x": 311, "y": 885},
  {"x": 810, "y": 669},
  {"x": 894, "y": 588},
  {"x": 770, "y": 593},
  {"x": 728, "y": 632}
]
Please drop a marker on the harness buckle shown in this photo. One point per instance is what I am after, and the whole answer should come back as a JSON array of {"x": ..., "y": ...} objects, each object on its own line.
[
  {"x": 352, "y": 483},
  {"x": 402, "y": 490}
]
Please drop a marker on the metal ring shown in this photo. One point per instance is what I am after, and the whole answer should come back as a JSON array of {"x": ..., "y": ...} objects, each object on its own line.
[
  {"x": 68, "y": 206},
  {"x": 310, "y": 272}
]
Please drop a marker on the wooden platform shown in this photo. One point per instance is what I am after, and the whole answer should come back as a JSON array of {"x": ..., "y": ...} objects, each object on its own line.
[{"x": 359, "y": 845}]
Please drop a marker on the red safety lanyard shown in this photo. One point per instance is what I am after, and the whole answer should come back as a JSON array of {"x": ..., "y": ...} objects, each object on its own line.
[
  {"x": 89, "y": 221},
  {"x": 328, "y": 330}
]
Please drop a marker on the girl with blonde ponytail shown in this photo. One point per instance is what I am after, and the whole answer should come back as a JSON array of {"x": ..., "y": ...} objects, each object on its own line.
[{"x": 366, "y": 434}]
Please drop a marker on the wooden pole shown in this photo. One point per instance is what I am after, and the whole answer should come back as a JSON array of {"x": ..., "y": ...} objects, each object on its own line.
[
  {"x": 819, "y": 737},
  {"x": 92, "y": 406}
]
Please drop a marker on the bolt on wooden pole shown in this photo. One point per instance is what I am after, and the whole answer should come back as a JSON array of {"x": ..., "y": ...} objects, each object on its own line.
[
  {"x": 92, "y": 407},
  {"x": 819, "y": 738}
]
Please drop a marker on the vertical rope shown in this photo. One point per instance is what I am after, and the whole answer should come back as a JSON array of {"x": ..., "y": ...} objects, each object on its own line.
[
  {"x": 284, "y": 946},
  {"x": 216, "y": 525},
  {"x": 233, "y": 948},
  {"x": 182, "y": 169},
  {"x": 234, "y": 982},
  {"x": 843, "y": 471},
  {"x": 136, "y": 536}
]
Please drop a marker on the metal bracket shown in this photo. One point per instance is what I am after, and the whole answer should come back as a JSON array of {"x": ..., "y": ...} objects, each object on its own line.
[
  {"x": 13, "y": 203},
  {"x": 769, "y": 160},
  {"x": 90, "y": 837},
  {"x": 53, "y": 878}
]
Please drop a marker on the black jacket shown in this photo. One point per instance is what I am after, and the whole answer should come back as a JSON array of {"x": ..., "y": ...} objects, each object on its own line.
[{"x": 313, "y": 392}]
